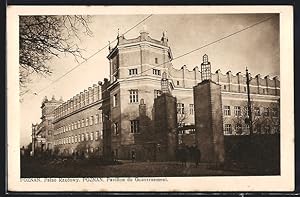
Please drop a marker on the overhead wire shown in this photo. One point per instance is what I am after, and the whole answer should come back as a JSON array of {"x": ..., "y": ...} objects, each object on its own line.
[
  {"x": 91, "y": 56},
  {"x": 208, "y": 44}
]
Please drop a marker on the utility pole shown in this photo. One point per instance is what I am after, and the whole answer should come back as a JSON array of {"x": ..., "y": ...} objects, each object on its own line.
[{"x": 249, "y": 120}]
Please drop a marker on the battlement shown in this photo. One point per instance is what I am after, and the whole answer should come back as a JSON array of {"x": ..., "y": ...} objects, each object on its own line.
[
  {"x": 237, "y": 83},
  {"x": 87, "y": 97},
  {"x": 185, "y": 78}
]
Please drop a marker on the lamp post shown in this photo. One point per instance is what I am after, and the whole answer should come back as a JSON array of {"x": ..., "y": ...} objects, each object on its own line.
[{"x": 249, "y": 119}]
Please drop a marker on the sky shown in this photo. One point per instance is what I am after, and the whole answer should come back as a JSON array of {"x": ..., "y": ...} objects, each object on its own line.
[{"x": 257, "y": 48}]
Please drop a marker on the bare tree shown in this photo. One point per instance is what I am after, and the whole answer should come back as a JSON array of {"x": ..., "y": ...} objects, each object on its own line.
[
  {"x": 182, "y": 117},
  {"x": 42, "y": 38},
  {"x": 263, "y": 118}
]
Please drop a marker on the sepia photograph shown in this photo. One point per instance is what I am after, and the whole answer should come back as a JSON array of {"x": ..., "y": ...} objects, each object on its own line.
[{"x": 119, "y": 95}]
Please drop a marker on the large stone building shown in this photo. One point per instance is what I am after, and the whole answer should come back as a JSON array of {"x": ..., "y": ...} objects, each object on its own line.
[
  {"x": 118, "y": 115},
  {"x": 78, "y": 124}
]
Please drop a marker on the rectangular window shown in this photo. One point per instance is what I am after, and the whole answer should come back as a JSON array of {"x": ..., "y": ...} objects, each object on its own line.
[
  {"x": 192, "y": 109},
  {"x": 82, "y": 123},
  {"x": 267, "y": 129},
  {"x": 228, "y": 129},
  {"x": 245, "y": 111},
  {"x": 180, "y": 108},
  {"x": 116, "y": 128},
  {"x": 96, "y": 135},
  {"x": 91, "y": 120},
  {"x": 101, "y": 134},
  {"x": 115, "y": 100},
  {"x": 72, "y": 139},
  {"x": 156, "y": 60},
  {"x": 237, "y": 110},
  {"x": 69, "y": 140},
  {"x": 275, "y": 112},
  {"x": 78, "y": 123},
  {"x": 100, "y": 118},
  {"x": 133, "y": 71},
  {"x": 266, "y": 111},
  {"x": 75, "y": 139},
  {"x": 238, "y": 128},
  {"x": 79, "y": 136},
  {"x": 227, "y": 110},
  {"x": 156, "y": 71},
  {"x": 92, "y": 136},
  {"x": 257, "y": 111},
  {"x": 87, "y": 122},
  {"x": 96, "y": 118},
  {"x": 157, "y": 93},
  {"x": 181, "y": 124},
  {"x": 82, "y": 137},
  {"x": 133, "y": 96},
  {"x": 87, "y": 137},
  {"x": 134, "y": 126}
]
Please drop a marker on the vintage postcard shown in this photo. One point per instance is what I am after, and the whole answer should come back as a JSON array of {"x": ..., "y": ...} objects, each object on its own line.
[{"x": 150, "y": 98}]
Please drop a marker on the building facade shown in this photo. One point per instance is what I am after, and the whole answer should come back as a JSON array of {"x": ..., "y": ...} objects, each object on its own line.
[
  {"x": 116, "y": 118},
  {"x": 78, "y": 124}
]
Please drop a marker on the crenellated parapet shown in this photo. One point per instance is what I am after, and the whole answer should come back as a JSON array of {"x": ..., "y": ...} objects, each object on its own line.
[
  {"x": 237, "y": 83},
  {"x": 183, "y": 77},
  {"x": 83, "y": 99}
]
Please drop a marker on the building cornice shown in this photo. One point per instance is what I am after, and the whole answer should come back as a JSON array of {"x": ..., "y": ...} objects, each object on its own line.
[{"x": 77, "y": 111}]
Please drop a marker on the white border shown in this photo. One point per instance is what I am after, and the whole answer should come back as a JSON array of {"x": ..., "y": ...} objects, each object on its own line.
[{"x": 284, "y": 182}]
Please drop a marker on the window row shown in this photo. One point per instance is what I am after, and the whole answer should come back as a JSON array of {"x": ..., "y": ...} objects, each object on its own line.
[
  {"x": 134, "y": 127},
  {"x": 257, "y": 111},
  {"x": 79, "y": 138},
  {"x": 80, "y": 124},
  {"x": 239, "y": 129},
  {"x": 181, "y": 110},
  {"x": 134, "y": 71}
]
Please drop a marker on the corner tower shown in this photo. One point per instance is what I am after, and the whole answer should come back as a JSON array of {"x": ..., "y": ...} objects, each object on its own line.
[
  {"x": 136, "y": 69},
  {"x": 138, "y": 56}
]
